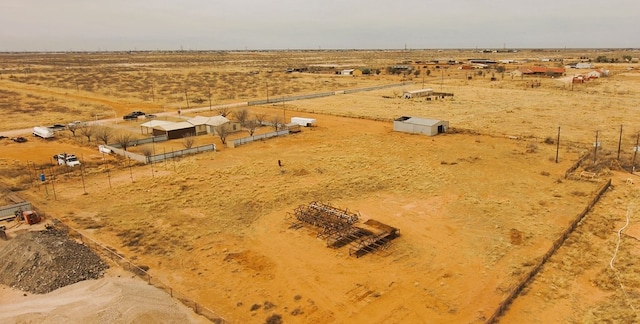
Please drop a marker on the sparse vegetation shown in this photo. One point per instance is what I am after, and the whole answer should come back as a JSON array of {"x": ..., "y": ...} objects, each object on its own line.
[{"x": 204, "y": 207}]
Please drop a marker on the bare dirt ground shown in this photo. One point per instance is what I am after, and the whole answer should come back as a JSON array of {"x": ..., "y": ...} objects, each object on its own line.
[
  {"x": 475, "y": 211},
  {"x": 49, "y": 277}
]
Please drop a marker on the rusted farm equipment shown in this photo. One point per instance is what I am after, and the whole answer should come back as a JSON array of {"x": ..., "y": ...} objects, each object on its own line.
[{"x": 337, "y": 227}]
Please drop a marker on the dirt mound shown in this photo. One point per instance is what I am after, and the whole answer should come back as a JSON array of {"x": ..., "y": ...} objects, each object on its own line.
[{"x": 40, "y": 262}]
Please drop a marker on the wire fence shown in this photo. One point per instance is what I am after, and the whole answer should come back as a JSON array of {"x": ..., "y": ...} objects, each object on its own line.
[
  {"x": 141, "y": 272},
  {"x": 264, "y": 136},
  {"x": 517, "y": 289}
]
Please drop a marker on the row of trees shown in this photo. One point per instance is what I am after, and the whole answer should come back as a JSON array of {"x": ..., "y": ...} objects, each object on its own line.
[
  {"x": 605, "y": 59},
  {"x": 250, "y": 122}
]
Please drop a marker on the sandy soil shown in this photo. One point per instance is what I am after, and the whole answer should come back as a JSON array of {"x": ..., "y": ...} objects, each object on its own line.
[
  {"x": 453, "y": 262},
  {"x": 215, "y": 226},
  {"x": 117, "y": 298}
]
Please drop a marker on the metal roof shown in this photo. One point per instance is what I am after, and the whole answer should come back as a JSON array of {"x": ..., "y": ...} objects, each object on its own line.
[
  {"x": 419, "y": 91},
  {"x": 198, "y": 120},
  {"x": 217, "y": 120},
  {"x": 212, "y": 121},
  {"x": 155, "y": 123},
  {"x": 174, "y": 126},
  {"x": 419, "y": 121}
]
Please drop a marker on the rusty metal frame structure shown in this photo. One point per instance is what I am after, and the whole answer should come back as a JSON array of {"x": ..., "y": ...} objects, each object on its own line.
[{"x": 337, "y": 227}]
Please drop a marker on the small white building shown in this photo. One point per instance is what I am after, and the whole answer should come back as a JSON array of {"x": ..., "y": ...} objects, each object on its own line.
[
  {"x": 305, "y": 122},
  {"x": 584, "y": 65},
  {"x": 416, "y": 125},
  {"x": 417, "y": 93},
  {"x": 347, "y": 72}
]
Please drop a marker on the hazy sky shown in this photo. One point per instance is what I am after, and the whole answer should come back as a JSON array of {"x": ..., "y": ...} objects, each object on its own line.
[{"x": 90, "y": 25}]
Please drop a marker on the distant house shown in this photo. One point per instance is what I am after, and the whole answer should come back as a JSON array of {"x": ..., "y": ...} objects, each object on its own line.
[
  {"x": 584, "y": 65},
  {"x": 199, "y": 122},
  {"x": 214, "y": 122},
  {"x": 417, "y": 93},
  {"x": 418, "y": 125},
  {"x": 347, "y": 72},
  {"x": 208, "y": 125},
  {"x": 539, "y": 71}
]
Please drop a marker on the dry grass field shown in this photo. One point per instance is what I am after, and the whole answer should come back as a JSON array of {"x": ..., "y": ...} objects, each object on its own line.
[{"x": 476, "y": 208}]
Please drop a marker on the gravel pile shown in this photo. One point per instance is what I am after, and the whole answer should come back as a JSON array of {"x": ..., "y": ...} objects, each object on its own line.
[{"x": 40, "y": 262}]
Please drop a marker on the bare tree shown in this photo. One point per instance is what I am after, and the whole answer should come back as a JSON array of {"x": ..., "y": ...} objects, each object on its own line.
[
  {"x": 242, "y": 116},
  {"x": 124, "y": 140},
  {"x": 223, "y": 131},
  {"x": 147, "y": 151},
  {"x": 73, "y": 127},
  {"x": 104, "y": 133},
  {"x": 277, "y": 122},
  {"x": 252, "y": 125},
  {"x": 188, "y": 140},
  {"x": 261, "y": 117},
  {"x": 224, "y": 111},
  {"x": 86, "y": 131}
]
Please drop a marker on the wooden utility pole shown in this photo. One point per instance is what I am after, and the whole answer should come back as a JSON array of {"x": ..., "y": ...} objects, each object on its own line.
[
  {"x": 52, "y": 183},
  {"x": 209, "y": 93},
  {"x": 130, "y": 170},
  {"x": 558, "y": 144},
  {"x": 84, "y": 188},
  {"x": 186, "y": 97},
  {"x": 635, "y": 150},
  {"x": 109, "y": 176},
  {"x": 619, "y": 142},
  {"x": 595, "y": 148}
]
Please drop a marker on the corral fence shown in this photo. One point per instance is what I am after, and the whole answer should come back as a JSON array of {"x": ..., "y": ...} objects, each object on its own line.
[
  {"x": 127, "y": 154},
  {"x": 554, "y": 248},
  {"x": 141, "y": 272},
  {"x": 9, "y": 211},
  {"x": 377, "y": 87},
  {"x": 250, "y": 139},
  {"x": 179, "y": 153},
  {"x": 153, "y": 139},
  {"x": 164, "y": 156},
  {"x": 576, "y": 165}
]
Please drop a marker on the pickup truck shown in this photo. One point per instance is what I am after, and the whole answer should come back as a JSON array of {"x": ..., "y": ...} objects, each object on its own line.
[{"x": 66, "y": 159}]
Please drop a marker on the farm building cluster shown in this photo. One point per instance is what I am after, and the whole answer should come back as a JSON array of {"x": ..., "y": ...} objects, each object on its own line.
[{"x": 198, "y": 125}]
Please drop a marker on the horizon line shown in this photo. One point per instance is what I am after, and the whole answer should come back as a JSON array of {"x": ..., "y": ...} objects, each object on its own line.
[{"x": 493, "y": 50}]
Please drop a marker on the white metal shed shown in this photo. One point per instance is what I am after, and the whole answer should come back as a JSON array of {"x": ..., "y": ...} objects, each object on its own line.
[{"x": 417, "y": 125}]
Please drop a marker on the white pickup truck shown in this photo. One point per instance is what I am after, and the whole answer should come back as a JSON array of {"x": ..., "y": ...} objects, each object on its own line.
[{"x": 67, "y": 159}]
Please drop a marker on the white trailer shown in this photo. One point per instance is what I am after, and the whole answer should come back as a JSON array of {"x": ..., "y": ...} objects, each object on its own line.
[
  {"x": 43, "y": 132},
  {"x": 305, "y": 122}
]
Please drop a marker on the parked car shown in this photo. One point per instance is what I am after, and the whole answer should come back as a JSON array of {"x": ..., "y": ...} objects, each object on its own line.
[
  {"x": 137, "y": 113},
  {"x": 129, "y": 117},
  {"x": 19, "y": 139},
  {"x": 66, "y": 159},
  {"x": 152, "y": 116}
]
